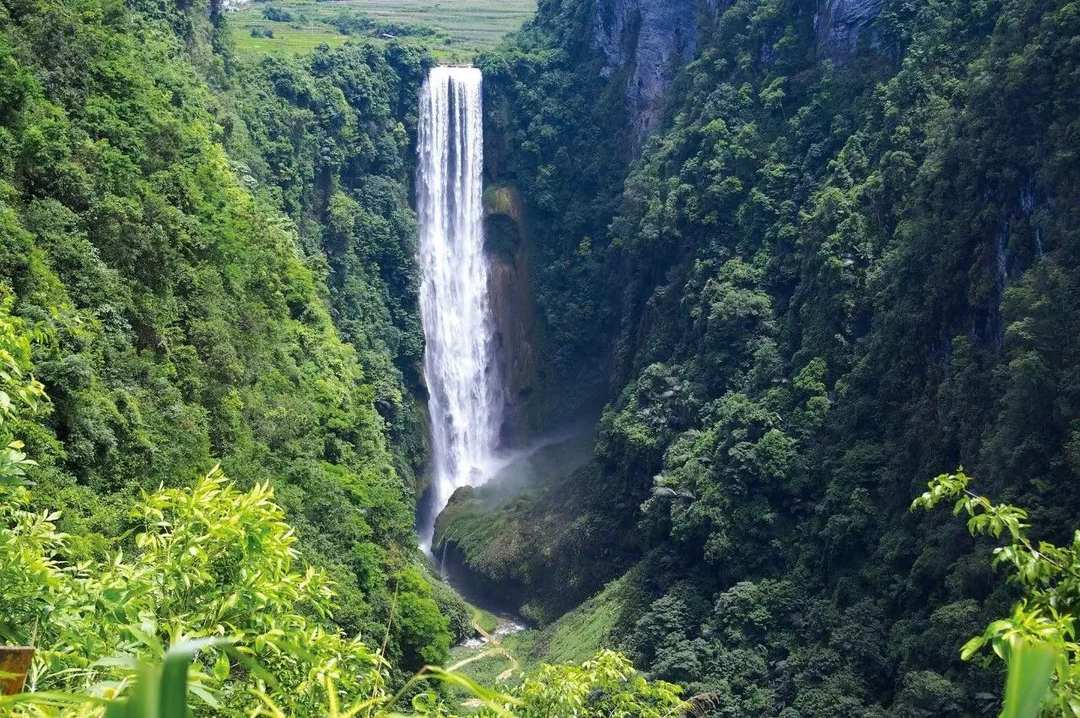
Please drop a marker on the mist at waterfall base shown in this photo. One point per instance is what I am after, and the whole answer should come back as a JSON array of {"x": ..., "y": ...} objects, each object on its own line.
[
  {"x": 510, "y": 471},
  {"x": 460, "y": 366},
  {"x": 546, "y": 459}
]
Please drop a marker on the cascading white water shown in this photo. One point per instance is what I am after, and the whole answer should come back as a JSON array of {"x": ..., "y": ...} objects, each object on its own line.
[{"x": 459, "y": 359}]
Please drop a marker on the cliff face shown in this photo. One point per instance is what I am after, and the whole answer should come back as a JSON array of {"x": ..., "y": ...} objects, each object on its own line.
[
  {"x": 512, "y": 305},
  {"x": 840, "y": 24},
  {"x": 642, "y": 46},
  {"x": 649, "y": 40}
]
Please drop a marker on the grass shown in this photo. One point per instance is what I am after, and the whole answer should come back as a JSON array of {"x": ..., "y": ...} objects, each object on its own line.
[
  {"x": 484, "y": 620},
  {"x": 578, "y": 635},
  {"x": 456, "y": 30},
  {"x": 489, "y": 667},
  {"x": 286, "y": 41},
  {"x": 574, "y": 638}
]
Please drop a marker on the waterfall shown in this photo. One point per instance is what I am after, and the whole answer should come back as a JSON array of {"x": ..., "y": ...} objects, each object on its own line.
[{"x": 459, "y": 364}]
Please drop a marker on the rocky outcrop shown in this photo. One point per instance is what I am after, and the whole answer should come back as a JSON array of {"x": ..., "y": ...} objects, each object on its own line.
[
  {"x": 840, "y": 25},
  {"x": 649, "y": 41},
  {"x": 515, "y": 542}
]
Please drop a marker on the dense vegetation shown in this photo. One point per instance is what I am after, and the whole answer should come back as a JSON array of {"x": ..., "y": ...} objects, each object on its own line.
[
  {"x": 187, "y": 317},
  {"x": 823, "y": 280},
  {"x": 326, "y": 140},
  {"x": 208, "y": 268},
  {"x": 213, "y": 562}
]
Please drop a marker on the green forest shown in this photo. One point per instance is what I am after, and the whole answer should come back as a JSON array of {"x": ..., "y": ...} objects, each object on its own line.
[{"x": 800, "y": 277}]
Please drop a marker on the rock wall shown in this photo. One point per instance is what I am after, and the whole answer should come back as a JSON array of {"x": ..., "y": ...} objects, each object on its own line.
[
  {"x": 650, "y": 41},
  {"x": 512, "y": 304},
  {"x": 841, "y": 24}
]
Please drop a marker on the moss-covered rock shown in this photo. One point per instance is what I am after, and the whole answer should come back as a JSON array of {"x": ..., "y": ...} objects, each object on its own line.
[{"x": 512, "y": 544}]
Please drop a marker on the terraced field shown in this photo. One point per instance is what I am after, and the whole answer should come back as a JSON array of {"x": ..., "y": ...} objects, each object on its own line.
[{"x": 455, "y": 30}]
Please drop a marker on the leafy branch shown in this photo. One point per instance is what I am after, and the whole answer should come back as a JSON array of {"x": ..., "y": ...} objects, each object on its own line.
[{"x": 1043, "y": 621}]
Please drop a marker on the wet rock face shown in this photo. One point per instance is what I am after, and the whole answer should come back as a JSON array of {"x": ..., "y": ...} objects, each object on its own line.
[
  {"x": 509, "y": 288},
  {"x": 650, "y": 40},
  {"x": 840, "y": 24}
]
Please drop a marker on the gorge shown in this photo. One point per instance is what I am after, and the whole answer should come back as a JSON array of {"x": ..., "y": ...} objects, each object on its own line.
[
  {"x": 798, "y": 242},
  {"x": 648, "y": 325}
]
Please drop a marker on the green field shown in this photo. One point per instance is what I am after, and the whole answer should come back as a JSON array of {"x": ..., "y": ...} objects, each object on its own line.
[{"x": 455, "y": 30}]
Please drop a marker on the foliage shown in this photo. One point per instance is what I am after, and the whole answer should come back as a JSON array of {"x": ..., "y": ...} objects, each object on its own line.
[
  {"x": 822, "y": 276},
  {"x": 606, "y": 686},
  {"x": 287, "y": 664},
  {"x": 19, "y": 393},
  {"x": 1040, "y": 635},
  {"x": 188, "y": 325},
  {"x": 603, "y": 687},
  {"x": 1030, "y": 669},
  {"x": 211, "y": 562},
  {"x": 325, "y": 139},
  {"x": 160, "y": 693},
  {"x": 276, "y": 14},
  {"x": 217, "y": 566}
]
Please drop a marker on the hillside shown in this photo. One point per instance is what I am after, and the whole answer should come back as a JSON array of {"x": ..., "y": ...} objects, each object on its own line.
[
  {"x": 452, "y": 30},
  {"x": 839, "y": 265},
  {"x": 192, "y": 297}
]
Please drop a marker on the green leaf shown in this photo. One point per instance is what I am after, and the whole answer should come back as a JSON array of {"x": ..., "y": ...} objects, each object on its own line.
[
  {"x": 117, "y": 709},
  {"x": 971, "y": 647},
  {"x": 174, "y": 673},
  {"x": 143, "y": 701},
  {"x": 1030, "y": 668}
]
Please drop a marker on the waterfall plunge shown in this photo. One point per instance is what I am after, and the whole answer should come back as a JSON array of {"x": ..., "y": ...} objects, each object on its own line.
[{"x": 459, "y": 359}]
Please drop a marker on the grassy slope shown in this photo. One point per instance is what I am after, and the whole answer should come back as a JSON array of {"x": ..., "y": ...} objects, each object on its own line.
[
  {"x": 463, "y": 27},
  {"x": 574, "y": 638},
  {"x": 578, "y": 635}
]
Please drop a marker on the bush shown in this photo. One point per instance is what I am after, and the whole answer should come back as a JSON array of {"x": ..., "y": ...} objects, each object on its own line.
[{"x": 277, "y": 14}]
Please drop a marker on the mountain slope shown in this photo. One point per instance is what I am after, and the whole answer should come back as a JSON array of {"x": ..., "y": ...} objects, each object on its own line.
[
  {"x": 842, "y": 265},
  {"x": 191, "y": 319}
]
